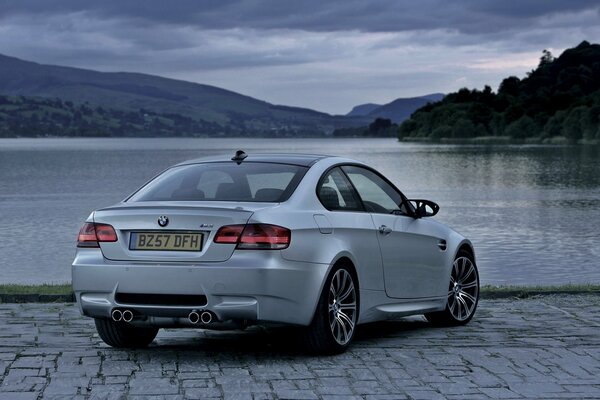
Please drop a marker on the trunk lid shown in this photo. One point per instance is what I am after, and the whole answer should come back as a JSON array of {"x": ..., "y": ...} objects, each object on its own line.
[{"x": 183, "y": 217}]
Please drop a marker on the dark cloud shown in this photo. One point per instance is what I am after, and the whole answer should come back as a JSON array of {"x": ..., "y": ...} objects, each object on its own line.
[{"x": 468, "y": 16}]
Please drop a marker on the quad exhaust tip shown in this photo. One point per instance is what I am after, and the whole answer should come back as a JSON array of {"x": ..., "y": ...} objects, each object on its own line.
[
  {"x": 204, "y": 317},
  {"x": 117, "y": 315},
  {"x": 194, "y": 317},
  {"x": 125, "y": 315}
]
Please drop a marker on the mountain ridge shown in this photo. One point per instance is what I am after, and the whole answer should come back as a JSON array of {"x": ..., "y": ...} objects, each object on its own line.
[
  {"x": 134, "y": 91},
  {"x": 396, "y": 110}
]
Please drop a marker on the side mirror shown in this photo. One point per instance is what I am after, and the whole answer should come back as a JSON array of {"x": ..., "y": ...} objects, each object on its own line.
[{"x": 424, "y": 208}]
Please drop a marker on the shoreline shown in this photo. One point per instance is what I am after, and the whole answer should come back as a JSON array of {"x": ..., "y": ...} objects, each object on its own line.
[
  {"x": 62, "y": 293},
  {"x": 477, "y": 140},
  {"x": 501, "y": 140}
]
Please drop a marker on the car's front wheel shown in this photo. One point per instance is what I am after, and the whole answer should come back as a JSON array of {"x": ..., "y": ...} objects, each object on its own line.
[
  {"x": 463, "y": 293},
  {"x": 334, "y": 323},
  {"x": 122, "y": 334}
]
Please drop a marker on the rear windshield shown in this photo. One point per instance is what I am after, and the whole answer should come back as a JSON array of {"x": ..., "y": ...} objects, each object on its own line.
[{"x": 248, "y": 181}]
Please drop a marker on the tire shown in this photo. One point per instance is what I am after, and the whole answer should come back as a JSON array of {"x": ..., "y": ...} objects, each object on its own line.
[
  {"x": 123, "y": 335},
  {"x": 463, "y": 293},
  {"x": 334, "y": 323}
]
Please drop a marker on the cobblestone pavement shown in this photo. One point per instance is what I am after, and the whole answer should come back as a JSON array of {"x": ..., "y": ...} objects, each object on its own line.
[{"x": 546, "y": 347}]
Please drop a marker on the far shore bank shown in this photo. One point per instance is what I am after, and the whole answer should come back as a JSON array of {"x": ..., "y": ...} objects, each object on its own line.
[
  {"x": 505, "y": 140},
  {"x": 477, "y": 140},
  {"x": 63, "y": 293}
]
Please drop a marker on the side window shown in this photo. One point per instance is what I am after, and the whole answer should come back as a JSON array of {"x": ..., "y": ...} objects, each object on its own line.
[
  {"x": 377, "y": 195},
  {"x": 336, "y": 193}
]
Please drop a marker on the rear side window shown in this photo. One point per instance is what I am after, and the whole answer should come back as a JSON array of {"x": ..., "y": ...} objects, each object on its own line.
[
  {"x": 254, "y": 182},
  {"x": 336, "y": 193}
]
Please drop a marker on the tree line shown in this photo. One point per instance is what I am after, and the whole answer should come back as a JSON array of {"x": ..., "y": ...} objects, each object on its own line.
[
  {"x": 558, "y": 99},
  {"x": 26, "y": 116}
]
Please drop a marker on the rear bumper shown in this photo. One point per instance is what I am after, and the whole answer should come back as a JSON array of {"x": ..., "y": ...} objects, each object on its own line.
[{"x": 251, "y": 285}]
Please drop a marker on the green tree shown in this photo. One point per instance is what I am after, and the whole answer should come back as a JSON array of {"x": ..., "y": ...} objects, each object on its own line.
[
  {"x": 521, "y": 128},
  {"x": 464, "y": 128}
]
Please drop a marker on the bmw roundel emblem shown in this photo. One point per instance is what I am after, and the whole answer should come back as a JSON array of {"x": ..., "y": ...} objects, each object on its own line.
[{"x": 163, "y": 220}]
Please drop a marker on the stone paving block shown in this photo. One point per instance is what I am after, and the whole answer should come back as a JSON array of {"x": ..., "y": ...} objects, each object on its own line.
[
  {"x": 107, "y": 396},
  {"x": 455, "y": 388},
  {"x": 371, "y": 387},
  {"x": 424, "y": 395},
  {"x": 263, "y": 396},
  {"x": 297, "y": 394},
  {"x": 334, "y": 390},
  {"x": 362, "y": 374},
  {"x": 533, "y": 390},
  {"x": 246, "y": 388},
  {"x": 152, "y": 386},
  {"x": 198, "y": 383},
  {"x": 500, "y": 393},
  {"x": 19, "y": 395},
  {"x": 202, "y": 393},
  {"x": 8, "y": 356},
  {"x": 283, "y": 385},
  {"x": 237, "y": 396},
  {"x": 116, "y": 379}
]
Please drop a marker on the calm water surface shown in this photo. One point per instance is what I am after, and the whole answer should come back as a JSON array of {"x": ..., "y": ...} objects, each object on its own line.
[{"x": 532, "y": 212}]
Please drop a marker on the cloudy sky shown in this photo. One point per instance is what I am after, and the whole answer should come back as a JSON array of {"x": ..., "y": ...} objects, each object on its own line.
[{"x": 325, "y": 55}]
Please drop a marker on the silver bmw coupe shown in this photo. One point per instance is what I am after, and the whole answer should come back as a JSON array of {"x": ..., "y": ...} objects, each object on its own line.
[{"x": 324, "y": 243}]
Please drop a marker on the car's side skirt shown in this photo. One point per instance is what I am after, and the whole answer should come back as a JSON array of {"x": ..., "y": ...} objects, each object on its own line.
[{"x": 376, "y": 306}]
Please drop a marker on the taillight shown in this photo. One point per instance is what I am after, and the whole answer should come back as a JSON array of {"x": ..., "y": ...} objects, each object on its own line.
[
  {"x": 255, "y": 236},
  {"x": 105, "y": 233},
  {"x": 229, "y": 234},
  {"x": 91, "y": 234}
]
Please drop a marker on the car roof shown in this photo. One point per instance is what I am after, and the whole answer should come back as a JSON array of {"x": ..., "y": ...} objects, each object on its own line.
[{"x": 305, "y": 160}]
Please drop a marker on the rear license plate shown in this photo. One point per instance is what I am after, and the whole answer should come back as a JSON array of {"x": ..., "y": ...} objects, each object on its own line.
[{"x": 166, "y": 241}]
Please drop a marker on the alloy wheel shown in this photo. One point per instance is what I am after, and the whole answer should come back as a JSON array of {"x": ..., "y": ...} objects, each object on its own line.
[
  {"x": 342, "y": 306},
  {"x": 464, "y": 289}
]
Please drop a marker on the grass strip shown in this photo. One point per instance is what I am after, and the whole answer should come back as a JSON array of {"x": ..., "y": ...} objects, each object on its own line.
[
  {"x": 522, "y": 292},
  {"x": 44, "y": 293},
  {"x": 45, "y": 288}
]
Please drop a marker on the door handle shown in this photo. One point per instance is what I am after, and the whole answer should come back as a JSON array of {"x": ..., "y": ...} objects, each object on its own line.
[{"x": 385, "y": 230}]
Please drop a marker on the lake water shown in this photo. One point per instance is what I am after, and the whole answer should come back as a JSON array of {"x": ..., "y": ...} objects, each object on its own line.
[{"x": 532, "y": 212}]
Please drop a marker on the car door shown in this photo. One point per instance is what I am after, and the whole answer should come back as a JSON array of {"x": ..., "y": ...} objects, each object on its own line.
[
  {"x": 413, "y": 263},
  {"x": 352, "y": 227}
]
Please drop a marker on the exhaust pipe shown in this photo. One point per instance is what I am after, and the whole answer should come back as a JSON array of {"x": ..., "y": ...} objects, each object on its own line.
[
  {"x": 117, "y": 315},
  {"x": 194, "y": 317},
  {"x": 206, "y": 317},
  {"x": 127, "y": 315}
]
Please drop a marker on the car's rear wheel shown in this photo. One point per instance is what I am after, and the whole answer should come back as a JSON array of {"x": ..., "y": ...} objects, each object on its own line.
[
  {"x": 463, "y": 293},
  {"x": 122, "y": 334},
  {"x": 334, "y": 323}
]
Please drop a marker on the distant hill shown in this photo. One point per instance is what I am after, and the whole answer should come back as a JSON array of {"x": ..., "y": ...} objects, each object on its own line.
[
  {"x": 362, "y": 110},
  {"x": 216, "y": 111},
  {"x": 558, "y": 102},
  {"x": 397, "y": 110}
]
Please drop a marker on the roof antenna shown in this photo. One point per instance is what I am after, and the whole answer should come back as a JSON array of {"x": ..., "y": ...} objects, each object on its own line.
[{"x": 240, "y": 156}]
